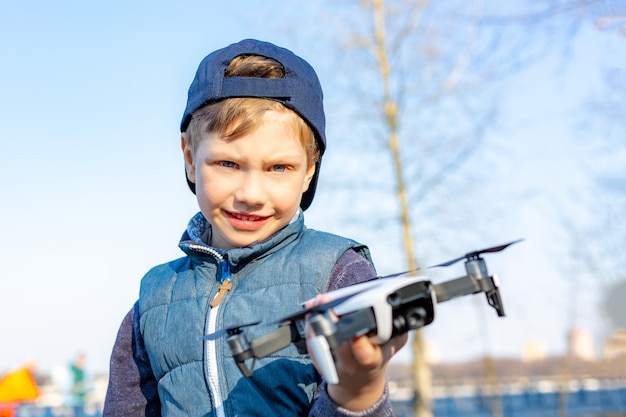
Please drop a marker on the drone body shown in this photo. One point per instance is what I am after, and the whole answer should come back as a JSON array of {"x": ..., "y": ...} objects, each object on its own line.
[
  {"x": 396, "y": 306},
  {"x": 381, "y": 308}
]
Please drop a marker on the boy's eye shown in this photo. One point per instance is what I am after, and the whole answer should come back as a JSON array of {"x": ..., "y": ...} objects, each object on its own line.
[
  {"x": 227, "y": 164},
  {"x": 279, "y": 168}
]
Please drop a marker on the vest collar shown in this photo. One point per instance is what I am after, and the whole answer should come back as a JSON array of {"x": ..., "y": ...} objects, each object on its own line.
[{"x": 193, "y": 241}]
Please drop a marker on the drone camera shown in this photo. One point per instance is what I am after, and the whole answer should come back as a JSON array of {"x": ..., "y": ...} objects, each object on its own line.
[
  {"x": 416, "y": 318},
  {"x": 411, "y": 319},
  {"x": 414, "y": 308}
]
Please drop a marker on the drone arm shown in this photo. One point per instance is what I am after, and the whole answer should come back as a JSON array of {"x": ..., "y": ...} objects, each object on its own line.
[
  {"x": 469, "y": 284},
  {"x": 458, "y": 287},
  {"x": 271, "y": 342},
  {"x": 260, "y": 347}
]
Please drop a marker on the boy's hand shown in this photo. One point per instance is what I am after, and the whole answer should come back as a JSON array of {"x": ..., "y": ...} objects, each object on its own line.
[{"x": 361, "y": 366}]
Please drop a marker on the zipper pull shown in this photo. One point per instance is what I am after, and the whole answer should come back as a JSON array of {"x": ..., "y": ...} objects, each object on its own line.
[{"x": 225, "y": 283}]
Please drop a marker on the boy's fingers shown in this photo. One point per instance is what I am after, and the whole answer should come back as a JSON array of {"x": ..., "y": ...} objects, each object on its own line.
[
  {"x": 370, "y": 354},
  {"x": 365, "y": 352}
]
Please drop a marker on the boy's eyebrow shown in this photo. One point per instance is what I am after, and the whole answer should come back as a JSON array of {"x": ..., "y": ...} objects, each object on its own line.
[
  {"x": 290, "y": 157},
  {"x": 220, "y": 153}
]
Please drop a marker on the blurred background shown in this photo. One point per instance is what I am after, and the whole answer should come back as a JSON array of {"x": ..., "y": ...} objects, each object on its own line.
[{"x": 451, "y": 127}]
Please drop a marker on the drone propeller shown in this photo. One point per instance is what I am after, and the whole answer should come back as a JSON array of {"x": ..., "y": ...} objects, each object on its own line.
[
  {"x": 398, "y": 274},
  {"x": 318, "y": 308},
  {"x": 228, "y": 330},
  {"x": 476, "y": 254}
]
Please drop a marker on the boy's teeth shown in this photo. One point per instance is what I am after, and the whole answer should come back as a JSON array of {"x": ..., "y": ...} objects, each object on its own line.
[{"x": 240, "y": 217}]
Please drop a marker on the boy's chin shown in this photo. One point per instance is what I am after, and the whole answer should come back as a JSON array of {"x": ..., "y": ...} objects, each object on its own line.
[{"x": 241, "y": 240}]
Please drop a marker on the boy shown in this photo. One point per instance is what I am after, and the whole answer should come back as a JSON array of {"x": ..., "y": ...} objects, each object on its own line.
[{"x": 252, "y": 138}]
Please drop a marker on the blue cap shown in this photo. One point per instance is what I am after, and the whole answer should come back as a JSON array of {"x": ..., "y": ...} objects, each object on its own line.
[{"x": 300, "y": 91}]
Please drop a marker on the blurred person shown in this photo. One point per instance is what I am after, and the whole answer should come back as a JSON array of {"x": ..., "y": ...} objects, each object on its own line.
[{"x": 79, "y": 389}]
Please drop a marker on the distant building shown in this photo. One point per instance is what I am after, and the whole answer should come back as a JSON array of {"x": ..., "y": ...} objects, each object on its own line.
[
  {"x": 534, "y": 350},
  {"x": 582, "y": 344},
  {"x": 615, "y": 346}
]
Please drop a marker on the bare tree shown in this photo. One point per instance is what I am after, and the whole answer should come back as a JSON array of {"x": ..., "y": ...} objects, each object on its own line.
[{"x": 426, "y": 94}]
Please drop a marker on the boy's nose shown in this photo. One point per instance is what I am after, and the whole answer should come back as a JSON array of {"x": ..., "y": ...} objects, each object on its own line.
[{"x": 251, "y": 190}]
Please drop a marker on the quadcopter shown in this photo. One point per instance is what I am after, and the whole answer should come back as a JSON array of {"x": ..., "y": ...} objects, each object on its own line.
[{"x": 380, "y": 308}]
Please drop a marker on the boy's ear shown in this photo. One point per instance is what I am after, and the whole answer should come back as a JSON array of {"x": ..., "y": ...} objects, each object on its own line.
[
  {"x": 308, "y": 177},
  {"x": 190, "y": 166}
]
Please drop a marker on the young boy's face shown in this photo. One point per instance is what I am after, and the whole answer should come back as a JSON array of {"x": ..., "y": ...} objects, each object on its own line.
[{"x": 250, "y": 187}]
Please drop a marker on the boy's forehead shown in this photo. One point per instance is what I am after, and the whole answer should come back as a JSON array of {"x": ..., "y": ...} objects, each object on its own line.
[
  {"x": 286, "y": 121},
  {"x": 270, "y": 141}
]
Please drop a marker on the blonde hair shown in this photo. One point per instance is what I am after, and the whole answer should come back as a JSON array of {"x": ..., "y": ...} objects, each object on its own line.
[{"x": 234, "y": 117}]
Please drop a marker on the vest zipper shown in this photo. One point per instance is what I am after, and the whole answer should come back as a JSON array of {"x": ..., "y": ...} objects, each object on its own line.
[
  {"x": 225, "y": 283},
  {"x": 211, "y": 364}
]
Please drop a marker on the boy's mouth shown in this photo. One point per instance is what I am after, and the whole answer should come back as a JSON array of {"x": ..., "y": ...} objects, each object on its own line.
[
  {"x": 246, "y": 217},
  {"x": 248, "y": 222}
]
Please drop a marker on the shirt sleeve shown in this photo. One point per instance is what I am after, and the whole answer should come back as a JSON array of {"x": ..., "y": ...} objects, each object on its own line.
[
  {"x": 350, "y": 269},
  {"x": 132, "y": 389}
]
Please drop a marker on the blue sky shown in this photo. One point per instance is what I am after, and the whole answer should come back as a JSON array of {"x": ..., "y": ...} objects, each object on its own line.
[{"x": 92, "y": 186}]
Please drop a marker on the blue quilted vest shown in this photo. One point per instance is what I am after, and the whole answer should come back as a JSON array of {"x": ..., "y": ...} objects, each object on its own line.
[{"x": 269, "y": 281}]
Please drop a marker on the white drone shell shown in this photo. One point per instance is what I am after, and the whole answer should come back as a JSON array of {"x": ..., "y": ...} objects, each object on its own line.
[{"x": 373, "y": 294}]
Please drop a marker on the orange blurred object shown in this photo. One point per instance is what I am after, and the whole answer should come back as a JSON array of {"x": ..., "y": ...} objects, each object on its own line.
[
  {"x": 15, "y": 387},
  {"x": 18, "y": 385}
]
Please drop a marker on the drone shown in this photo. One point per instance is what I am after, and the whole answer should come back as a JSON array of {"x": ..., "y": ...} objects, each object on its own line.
[{"x": 380, "y": 308}]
